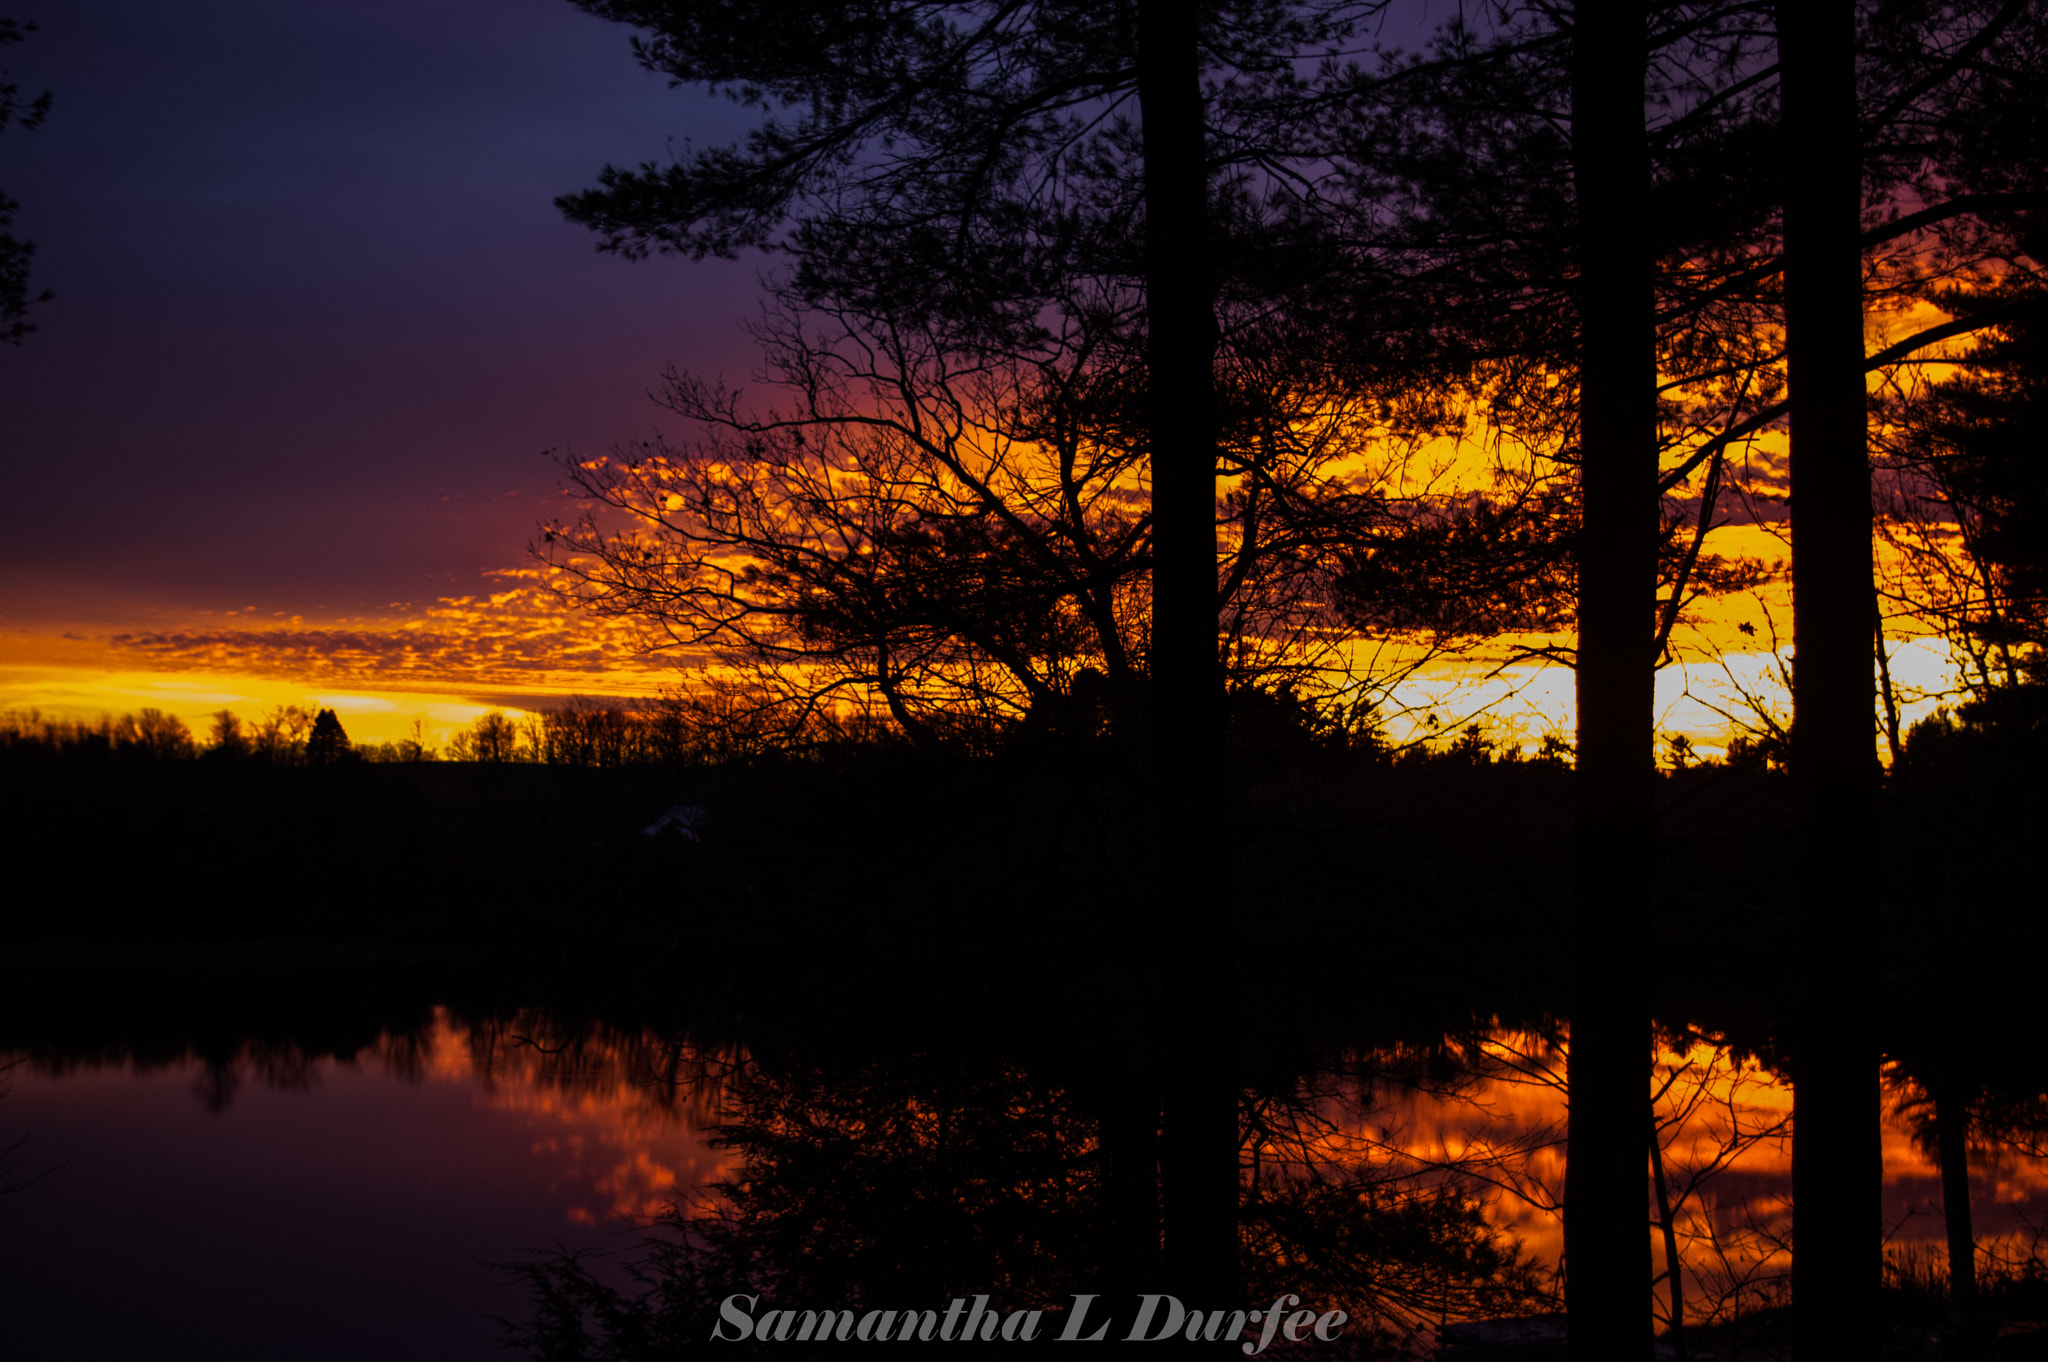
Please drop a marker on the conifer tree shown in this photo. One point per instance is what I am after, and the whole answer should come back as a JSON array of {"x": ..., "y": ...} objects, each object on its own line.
[
  {"x": 950, "y": 161},
  {"x": 16, "y": 254},
  {"x": 327, "y": 743}
]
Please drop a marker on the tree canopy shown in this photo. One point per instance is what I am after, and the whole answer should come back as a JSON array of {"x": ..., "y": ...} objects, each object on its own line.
[
  {"x": 1108, "y": 337},
  {"x": 16, "y": 254}
]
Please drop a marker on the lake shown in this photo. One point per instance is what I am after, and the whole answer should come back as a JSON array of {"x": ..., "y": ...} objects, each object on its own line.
[{"x": 271, "y": 1163}]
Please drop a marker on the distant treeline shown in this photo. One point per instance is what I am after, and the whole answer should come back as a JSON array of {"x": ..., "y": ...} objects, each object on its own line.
[
  {"x": 288, "y": 735},
  {"x": 579, "y": 731},
  {"x": 696, "y": 730}
]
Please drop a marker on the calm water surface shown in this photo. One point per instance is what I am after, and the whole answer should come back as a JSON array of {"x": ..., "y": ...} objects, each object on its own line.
[
  {"x": 277, "y": 1206},
  {"x": 270, "y": 1202}
]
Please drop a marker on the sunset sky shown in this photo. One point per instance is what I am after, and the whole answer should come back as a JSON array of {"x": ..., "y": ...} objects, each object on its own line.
[
  {"x": 281, "y": 436},
  {"x": 317, "y": 321}
]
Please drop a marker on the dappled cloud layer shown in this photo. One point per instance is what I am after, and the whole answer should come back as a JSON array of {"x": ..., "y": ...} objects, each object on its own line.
[
  {"x": 518, "y": 646},
  {"x": 522, "y": 636}
]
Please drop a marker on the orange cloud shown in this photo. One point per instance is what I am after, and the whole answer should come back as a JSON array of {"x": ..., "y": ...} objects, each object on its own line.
[{"x": 523, "y": 636}]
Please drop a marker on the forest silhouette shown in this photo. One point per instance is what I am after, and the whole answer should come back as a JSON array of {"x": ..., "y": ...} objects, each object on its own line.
[{"x": 1045, "y": 627}]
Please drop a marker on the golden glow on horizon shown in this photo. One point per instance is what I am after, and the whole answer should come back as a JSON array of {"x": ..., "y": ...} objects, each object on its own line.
[
  {"x": 1719, "y": 671},
  {"x": 450, "y": 661},
  {"x": 83, "y": 692},
  {"x": 444, "y": 666},
  {"x": 521, "y": 647}
]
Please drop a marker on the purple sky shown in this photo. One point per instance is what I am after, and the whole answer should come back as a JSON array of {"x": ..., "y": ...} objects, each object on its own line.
[{"x": 317, "y": 316}]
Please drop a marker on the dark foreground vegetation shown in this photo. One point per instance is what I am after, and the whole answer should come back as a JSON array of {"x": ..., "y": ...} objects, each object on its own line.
[
  {"x": 993, "y": 863},
  {"x": 860, "y": 839},
  {"x": 852, "y": 863}
]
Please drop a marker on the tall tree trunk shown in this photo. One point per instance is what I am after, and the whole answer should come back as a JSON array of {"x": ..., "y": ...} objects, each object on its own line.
[
  {"x": 1607, "y": 1250},
  {"x": 1199, "y": 1136},
  {"x": 1952, "y": 1141},
  {"x": 1837, "y": 1160}
]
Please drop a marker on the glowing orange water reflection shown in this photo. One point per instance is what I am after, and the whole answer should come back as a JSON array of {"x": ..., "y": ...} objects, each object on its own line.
[
  {"x": 1724, "y": 1127},
  {"x": 621, "y": 1121}
]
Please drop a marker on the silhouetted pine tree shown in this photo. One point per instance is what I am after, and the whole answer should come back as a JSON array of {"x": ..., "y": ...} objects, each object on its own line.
[
  {"x": 327, "y": 743},
  {"x": 15, "y": 254},
  {"x": 953, "y": 159}
]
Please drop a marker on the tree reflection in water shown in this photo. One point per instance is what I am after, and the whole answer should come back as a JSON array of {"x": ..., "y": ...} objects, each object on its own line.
[
  {"x": 1405, "y": 1182},
  {"x": 905, "y": 1182},
  {"x": 1409, "y": 1185}
]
